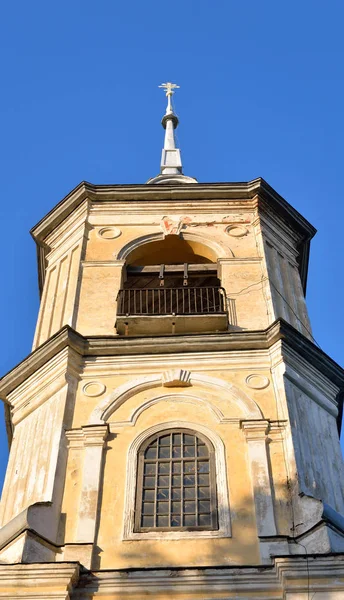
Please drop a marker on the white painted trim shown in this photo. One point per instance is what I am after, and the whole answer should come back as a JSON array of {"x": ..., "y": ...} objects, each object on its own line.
[
  {"x": 115, "y": 399},
  {"x": 221, "y": 483}
]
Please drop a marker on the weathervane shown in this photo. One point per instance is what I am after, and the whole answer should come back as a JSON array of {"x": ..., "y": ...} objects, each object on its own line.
[{"x": 169, "y": 88}]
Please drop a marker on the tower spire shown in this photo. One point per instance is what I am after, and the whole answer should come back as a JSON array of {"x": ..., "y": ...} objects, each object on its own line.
[{"x": 171, "y": 170}]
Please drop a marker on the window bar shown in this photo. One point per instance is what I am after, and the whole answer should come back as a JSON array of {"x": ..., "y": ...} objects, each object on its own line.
[
  {"x": 134, "y": 292},
  {"x": 207, "y": 290},
  {"x": 214, "y": 306},
  {"x": 189, "y": 301},
  {"x": 159, "y": 302},
  {"x": 195, "y": 299},
  {"x": 201, "y": 295},
  {"x": 153, "y": 307},
  {"x": 196, "y": 484},
  {"x": 156, "y": 484},
  {"x": 140, "y": 302},
  {"x": 170, "y": 484},
  {"x": 171, "y": 301}
]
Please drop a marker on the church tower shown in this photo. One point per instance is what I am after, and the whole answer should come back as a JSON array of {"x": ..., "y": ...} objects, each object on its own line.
[{"x": 174, "y": 431}]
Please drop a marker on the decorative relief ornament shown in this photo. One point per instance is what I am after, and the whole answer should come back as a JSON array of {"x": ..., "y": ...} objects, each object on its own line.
[
  {"x": 109, "y": 233},
  {"x": 176, "y": 378},
  {"x": 236, "y": 230},
  {"x": 171, "y": 226},
  {"x": 257, "y": 382},
  {"x": 94, "y": 388}
]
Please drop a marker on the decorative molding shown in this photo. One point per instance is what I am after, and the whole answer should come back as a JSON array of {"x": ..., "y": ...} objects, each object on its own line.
[
  {"x": 94, "y": 389},
  {"x": 113, "y": 401},
  {"x": 109, "y": 233},
  {"x": 255, "y": 430},
  {"x": 221, "y": 481},
  {"x": 176, "y": 378},
  {"x": 195, "y": 400},
  {"x": 257, "y": 381},
  {"x": 236, "y": 231}
]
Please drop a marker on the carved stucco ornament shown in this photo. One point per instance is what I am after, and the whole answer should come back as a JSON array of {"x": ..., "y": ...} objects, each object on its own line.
[
  {"x": 236, "y": 231},
  {"x": 171, "y": 226},
  {"x": 176, "y": 378},
  {"x": 257, "y": 382},
  {"x": 109, "y": 233},
  {"x": 94, "y": 389}
]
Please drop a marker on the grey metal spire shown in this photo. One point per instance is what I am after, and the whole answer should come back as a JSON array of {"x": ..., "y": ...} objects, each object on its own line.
[{"x": 171, "y": 170}]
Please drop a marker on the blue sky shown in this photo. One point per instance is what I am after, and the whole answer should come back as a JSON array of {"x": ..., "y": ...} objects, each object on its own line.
[{"x": 261, "y": 95}]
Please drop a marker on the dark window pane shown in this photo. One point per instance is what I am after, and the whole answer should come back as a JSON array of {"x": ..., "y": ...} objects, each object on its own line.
[
  {"x": 177, "y": 439},
  {"x": 189, "y": 507},
  {"x": 163, "y": 481},
  {"x": 150, "y": 453},
  {"x": 163, "y": 521},
  {"x": 149, "y": 482},
  {"x": 162, "y": 508},
  {"x": 177, "y": 493},
  {"x": 189, "y": 493},
  {"x": 204, "y": 506},
  {"x": 204, "y": 520},
  {"x": 203, "y": 479},
  {"x": 150, "y": 469},
  {"x": 164, "y": 452},
  {"x": 164, "y": 467},
  {"x": 202, "y": 451},
  {"x": 148, "y": 495},
  {"x": 176, "y": 507},
  {"x": 163, "y": 494},
  {"x": 176, "y": 467},
  {"x": 147, "y": 522},
  {"x": 176, "y": 521},
  {"x": 189, "y": 520},
  {"x": 176, "y": 452},
  {"x": 189, "y": 480},
  {"x": 189, "y": 451},
  {"x": 176, "y": 480},
  {"x": 148, "y": 508},
  {"x": 189, "y": 467},
  {"x": 189, "y": 439},
  {"x": 203, "y": 466},
  {"x": 204, "y": 492},
  {"x": 165, "y": 440}
]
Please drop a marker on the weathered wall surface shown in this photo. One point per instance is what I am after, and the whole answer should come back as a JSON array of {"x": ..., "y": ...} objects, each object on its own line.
[{"x": 88, "y": 253}]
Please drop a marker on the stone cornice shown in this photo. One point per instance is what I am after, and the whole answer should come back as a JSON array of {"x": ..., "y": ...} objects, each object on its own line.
[
  {"x": 243, "y": 580},
  {"x": 203, "y": 195},
  {"x": 280, "y": 331}
]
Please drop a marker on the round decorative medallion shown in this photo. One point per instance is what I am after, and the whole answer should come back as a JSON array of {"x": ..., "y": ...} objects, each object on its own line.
[
  {"x": 236, "y": 230},
  {"x": 94, "y": 388},
  {"x": 109, "y": 233},
  {"x": 257, "y": 382}
]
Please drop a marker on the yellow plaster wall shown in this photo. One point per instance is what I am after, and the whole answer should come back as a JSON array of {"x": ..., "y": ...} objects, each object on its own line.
[{"x": 113, "y": 551}]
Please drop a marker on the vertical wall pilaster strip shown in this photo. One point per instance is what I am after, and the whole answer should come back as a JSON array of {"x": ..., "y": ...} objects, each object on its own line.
[
  {"x": 255, "y": 432},
  {"x": 94, "y": 442}
]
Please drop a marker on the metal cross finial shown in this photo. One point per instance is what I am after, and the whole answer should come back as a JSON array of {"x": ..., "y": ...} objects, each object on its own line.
[{"x": 169, "y": 88}]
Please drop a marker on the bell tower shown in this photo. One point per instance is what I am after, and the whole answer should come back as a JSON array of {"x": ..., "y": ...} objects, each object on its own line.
[{"x": 174, "y": 432}]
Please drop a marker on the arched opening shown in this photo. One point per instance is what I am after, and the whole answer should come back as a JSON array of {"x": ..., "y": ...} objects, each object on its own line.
[
  {"x": 171, "y": 250},
  {"x": 171, "y": 277}
]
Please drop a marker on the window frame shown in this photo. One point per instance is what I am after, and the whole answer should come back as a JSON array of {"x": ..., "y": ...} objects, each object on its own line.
[{"x": 214, "y": 525}]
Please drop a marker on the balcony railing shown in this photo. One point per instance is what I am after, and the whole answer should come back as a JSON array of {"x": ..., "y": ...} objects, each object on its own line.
[{"x": 172, "y": 301}]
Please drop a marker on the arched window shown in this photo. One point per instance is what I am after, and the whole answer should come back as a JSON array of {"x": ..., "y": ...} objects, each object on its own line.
[{"x": 176, "y": 486}]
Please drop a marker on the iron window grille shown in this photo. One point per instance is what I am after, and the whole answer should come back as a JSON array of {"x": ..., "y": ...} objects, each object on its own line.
[{"x": 176, "y": 484}]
